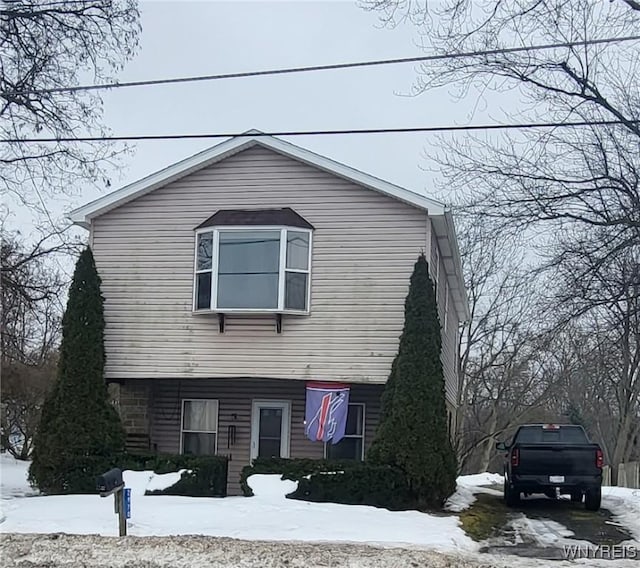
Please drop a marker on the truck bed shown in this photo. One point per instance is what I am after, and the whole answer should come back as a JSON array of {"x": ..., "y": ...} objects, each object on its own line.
[{"x": 557, "y": 459}]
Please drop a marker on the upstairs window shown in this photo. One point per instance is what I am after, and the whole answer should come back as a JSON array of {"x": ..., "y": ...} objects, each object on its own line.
[{"x": 253, "y": 268}]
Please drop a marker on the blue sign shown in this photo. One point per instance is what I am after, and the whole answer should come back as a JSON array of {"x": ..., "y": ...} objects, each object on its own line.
[{"x": 127, "y": 503}]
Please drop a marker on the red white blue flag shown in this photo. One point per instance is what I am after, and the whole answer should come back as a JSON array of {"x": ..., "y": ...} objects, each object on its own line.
[{"x": 326, "y": 411}]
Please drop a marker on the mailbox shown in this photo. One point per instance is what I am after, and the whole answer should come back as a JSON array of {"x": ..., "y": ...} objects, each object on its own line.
[{"x": 109, "y": 482}]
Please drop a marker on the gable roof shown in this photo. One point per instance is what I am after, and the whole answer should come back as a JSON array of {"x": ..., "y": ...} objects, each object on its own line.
[
  {"x": 82, "y": 215},
  {"x": 440, "y": 215}
]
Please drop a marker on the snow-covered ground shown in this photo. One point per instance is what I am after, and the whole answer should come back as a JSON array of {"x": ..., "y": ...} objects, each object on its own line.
[
  {"x": 267, "y": 516},
  {"x": 267, "y": 524},
  {"x": 624, "y": 503},
  {"x": 469, "y": 486}
]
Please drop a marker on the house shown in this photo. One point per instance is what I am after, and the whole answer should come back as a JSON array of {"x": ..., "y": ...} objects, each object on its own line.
[{"x": 236, "y": 277}]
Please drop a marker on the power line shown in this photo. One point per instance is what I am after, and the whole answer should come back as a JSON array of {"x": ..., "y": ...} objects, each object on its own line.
[
  {"x": 401, "y": 130},
  {"x": 329, "y": 67}
]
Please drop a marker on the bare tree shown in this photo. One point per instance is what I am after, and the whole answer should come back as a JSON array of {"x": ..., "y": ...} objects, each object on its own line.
[
  {"x": 503, "y": 363},
  {"x": 584, "y": 178},
  {"x": 609, "y": 297},
  {"x": 49, "y": 44},
  {"x": 32, "y": 300},
  {"x": 572, "y": 194}
]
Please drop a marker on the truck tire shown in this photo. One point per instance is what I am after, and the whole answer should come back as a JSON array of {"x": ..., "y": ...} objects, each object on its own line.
[
  {"x": 592, "y": 498},
  {"x": 511, "y": 495}
]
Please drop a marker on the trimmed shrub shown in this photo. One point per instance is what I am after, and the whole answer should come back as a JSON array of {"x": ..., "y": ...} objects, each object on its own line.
[
  {"x": 76, "y": 474},
  {"x": 293, "y": 469},
  {"x": 207, "y": 475},
  {"x": 361, "y": 484},
  {"x": 413, "y": 435},
  {"x": 79, "y": 431}
]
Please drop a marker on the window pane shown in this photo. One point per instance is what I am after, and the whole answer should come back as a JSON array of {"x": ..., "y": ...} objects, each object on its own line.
[
  {"x": 345, "y": 449},
  {"x": 248, "y": 269},
  {"x": 297, "y": 250},
  {"x": 269, "y": 448},
  {"x": 295, "y": 291},
  {"x": 203, "y": 290},
  {"x": 205, "y": 248},
  {"x": 270, "y": 432},
  {"x": 249, "y": 252},
  {"x": 270, "y": 422},
  {"x": 354, "y": 420},
  {"x": 201, "y": 415},
  {"x": 248, "y": 291},
  {"x": 198, "y": 444}
]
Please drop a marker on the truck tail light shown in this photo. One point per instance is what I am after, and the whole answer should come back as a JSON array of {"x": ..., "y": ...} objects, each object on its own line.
[
  {"x": 515, "y": 457},
  {"x": 599, "y": 458}
]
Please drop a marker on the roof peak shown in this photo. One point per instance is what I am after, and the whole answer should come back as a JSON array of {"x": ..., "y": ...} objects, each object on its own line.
[{"x": 83, "y": 215}]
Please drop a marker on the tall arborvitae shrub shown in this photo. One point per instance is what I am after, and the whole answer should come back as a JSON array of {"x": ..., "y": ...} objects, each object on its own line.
[
  {"x": 413, "y": 434},
  {"x": 80, "y": 432}
]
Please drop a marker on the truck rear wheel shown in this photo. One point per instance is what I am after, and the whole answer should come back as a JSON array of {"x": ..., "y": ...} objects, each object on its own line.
[
  {"x": 592, "y": 498},
  {"x": 511, "y": 495}
]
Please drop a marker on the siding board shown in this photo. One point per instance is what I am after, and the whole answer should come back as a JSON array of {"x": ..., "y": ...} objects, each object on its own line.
[
  {"x": 364, "y": 248},
  {"x": 235, "y": 397}
]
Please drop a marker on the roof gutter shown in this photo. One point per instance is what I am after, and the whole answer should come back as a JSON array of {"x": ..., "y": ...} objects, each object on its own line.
[{"x": 457, "y": 261}]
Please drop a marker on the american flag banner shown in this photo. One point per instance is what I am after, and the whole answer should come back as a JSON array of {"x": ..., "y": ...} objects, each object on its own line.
[{"x": 326, "y": 411}]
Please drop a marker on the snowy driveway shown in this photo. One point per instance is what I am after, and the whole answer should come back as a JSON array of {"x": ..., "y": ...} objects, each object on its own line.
[{"x": 549, "y": 528}]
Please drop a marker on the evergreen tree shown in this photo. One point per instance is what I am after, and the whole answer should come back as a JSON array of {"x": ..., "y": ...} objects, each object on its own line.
[
  {"x": 413, "y": 434},
  {"x": 80, "y": 432}
]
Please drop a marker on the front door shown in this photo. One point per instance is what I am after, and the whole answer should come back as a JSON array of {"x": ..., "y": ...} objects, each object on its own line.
[{"x": 270, "y": 422}]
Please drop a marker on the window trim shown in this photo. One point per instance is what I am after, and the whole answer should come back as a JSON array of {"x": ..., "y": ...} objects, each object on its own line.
[
  {"x": 282, "y": 269},
  {"x": 182, "y": 430},
  {"x": 285, "y": 428},
  {"x": 364, "y": 424}
]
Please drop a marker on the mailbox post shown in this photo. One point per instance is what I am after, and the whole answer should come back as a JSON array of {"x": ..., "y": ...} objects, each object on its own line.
[{"x": 111, "y": 483}]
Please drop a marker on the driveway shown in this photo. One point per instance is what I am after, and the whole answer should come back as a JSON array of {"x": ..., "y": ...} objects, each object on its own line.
[{"x": 546, "y": 528}]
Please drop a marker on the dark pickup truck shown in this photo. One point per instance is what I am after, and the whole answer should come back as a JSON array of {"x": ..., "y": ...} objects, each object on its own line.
[{"x": 552, "y": 459}]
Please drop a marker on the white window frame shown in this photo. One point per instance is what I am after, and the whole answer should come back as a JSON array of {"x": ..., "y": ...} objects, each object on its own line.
[
  {"x": 364, "y": 423},
  {"x": 182, "y": 430},
  {"x": 285, "y": 428},
  {"x": 282, "y": 269}
]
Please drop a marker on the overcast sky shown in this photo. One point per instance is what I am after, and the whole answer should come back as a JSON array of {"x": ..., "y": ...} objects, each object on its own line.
[{"x": 196, "y": 38}]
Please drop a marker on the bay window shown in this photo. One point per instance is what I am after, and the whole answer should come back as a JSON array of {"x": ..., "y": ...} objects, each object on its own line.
[{"x": 252, "y": 269}]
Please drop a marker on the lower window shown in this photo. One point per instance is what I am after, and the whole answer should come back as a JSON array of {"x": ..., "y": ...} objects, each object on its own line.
[
  {"x": 351, "y": 447},
  {"x": 199, "y": 427}
]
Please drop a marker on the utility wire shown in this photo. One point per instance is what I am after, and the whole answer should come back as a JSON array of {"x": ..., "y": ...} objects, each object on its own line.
[
  {"x": 330, "y": 67},
  {"x": 408, "y": 129}
]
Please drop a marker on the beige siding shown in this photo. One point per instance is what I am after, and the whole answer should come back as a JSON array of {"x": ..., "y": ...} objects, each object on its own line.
[
  {"x": 365, "y": 245},
  {"x": 235, "y": 400},
  {"x": 449, "y": 332}
]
